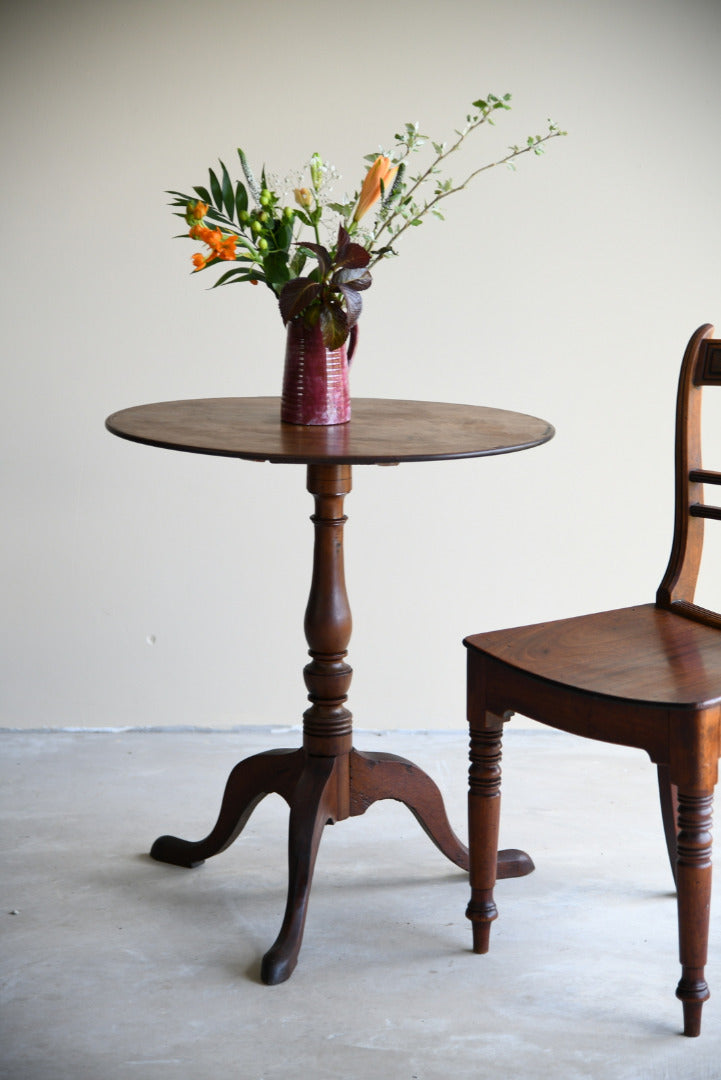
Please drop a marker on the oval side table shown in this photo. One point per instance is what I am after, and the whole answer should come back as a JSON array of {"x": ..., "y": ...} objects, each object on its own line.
[{"x": 326, "y": 780}]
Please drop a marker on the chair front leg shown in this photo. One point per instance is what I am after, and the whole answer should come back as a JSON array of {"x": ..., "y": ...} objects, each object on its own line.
[
  {"x": 693, "y": 880},
  {"x": 484, "y": 811},
  {"x": 668, "y": 794}
]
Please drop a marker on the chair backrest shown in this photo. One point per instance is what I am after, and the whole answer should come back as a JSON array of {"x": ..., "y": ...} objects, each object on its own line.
[{"x": 701, "y": 367}]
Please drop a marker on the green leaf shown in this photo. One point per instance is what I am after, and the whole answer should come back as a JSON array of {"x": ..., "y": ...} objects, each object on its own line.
[
  {"x": 283, "y": 235},
  {"x": 203, "y": 194},
  {"x": 220, "y": 219},
  {"x": 276, "y": 268},
  {"x": 230, "y": 275},
  {"x": 241, "y": 199},
  {"x": 257, "y": 277},
  {"x": 252, "y": 278},
  {"x": 297, "y": 263},
  {"x": 216, "y": 190},
  {"x": 228, "y": 194}
]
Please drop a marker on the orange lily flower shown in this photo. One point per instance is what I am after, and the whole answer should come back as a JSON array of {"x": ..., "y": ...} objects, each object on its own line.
[
  {"x": 379, "y": 173},
  {"x": 219, "y": 248},
  {"x": 213, "y": 238},
  {"x": 226, "y": 249}
]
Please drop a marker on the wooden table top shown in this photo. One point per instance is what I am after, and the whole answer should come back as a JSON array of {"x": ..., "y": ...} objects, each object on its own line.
[{"x": 381, "y": 431}]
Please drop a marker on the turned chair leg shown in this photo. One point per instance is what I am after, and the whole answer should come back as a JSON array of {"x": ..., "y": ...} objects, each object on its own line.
[
  {"x": 484, "y": 811},
  {"x": 693, "y": 880}
]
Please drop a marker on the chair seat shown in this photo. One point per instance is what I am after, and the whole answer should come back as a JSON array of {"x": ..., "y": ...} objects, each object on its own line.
[{"x": 643, "y": 654}]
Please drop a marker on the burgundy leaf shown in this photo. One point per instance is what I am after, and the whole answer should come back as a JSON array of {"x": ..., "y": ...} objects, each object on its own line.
[
  {"x": 334, "y": 325},
  {"x": 342, "y": 242},
  {"x": 353, "y": 255},
  {"x": 296, "y": 296},
  {"x": 347, "y": 253},
  {"x": 322, "y": 255},
  {"x": 358, "y": 279},
  {"x": 353, "y": 304},
  {"x": 352, "y": 341}
]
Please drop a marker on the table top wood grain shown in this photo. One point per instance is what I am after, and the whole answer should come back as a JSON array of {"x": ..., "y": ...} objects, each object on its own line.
[{"x": 381, "y": 431}]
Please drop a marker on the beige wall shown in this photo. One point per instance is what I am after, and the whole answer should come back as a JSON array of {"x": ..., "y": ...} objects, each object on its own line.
[{"x": 566, "y": 289}]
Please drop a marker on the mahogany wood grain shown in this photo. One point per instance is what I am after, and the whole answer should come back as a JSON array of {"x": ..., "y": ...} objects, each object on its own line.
[
  {"x": 327, "y": 780},
  {"x": 647, "y": 676},
  {"x": 380, "y": 431}
]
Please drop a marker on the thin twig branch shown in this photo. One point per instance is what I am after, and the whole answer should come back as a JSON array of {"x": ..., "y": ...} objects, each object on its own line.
[
  {"x": 384, "y": 225},
  {"x": 515, "y": 153}
]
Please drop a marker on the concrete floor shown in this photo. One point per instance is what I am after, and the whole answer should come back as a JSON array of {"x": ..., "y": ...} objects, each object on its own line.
[{"x": 115, "y": 966}]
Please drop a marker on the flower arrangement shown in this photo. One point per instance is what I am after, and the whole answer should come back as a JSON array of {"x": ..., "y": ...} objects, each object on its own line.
[{"x": 256, "y": 228}]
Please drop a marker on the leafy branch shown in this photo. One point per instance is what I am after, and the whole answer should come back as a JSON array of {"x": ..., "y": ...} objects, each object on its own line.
[
  {"x": 400, "y": 211},
  {"x": 245, "y": 223}
]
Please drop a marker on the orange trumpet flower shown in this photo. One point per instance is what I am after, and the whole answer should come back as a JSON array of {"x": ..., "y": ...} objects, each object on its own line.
[{"x": 379, "y": 173}]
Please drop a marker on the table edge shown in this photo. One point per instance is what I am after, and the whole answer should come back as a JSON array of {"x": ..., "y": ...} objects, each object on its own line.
[{"x": 286, "y": 458}]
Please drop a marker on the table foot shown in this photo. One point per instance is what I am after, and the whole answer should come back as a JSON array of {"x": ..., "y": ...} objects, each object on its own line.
[
  {"x": 313, "y": 808},
  {"x": 379, "y": 776},
  {"x": 376, "y": 776},
  {"x": 275, "y": 771},
  {"x": 320, "y": 790},
  {"x": 513, "y": 863}
]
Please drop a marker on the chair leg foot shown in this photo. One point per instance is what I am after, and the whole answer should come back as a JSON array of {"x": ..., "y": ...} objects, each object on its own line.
[
  {"x": 481, "y": 917},
  {"x": 693, "y": 879},
  {"x": 484, "y": 802},
  {"x": 692, "y": 1018},
  {"x": 692, "y": 994}
]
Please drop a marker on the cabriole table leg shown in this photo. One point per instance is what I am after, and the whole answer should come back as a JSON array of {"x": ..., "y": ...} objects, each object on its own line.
[{"x": 327, "y": 780}]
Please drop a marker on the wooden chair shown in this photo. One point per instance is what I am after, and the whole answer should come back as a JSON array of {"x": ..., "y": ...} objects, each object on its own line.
[{"x": 647, "y": 676}]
